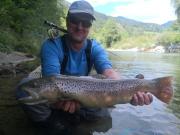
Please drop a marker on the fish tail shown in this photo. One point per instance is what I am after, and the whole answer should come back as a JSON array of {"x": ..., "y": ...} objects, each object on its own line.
[{"x": 165, "y": 90}]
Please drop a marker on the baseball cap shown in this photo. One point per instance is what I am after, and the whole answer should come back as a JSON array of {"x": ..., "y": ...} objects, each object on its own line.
[{"x": 81, "y": 7}]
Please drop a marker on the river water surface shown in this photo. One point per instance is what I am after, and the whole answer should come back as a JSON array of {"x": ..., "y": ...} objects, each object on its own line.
[{"x": 155, "y": 119}]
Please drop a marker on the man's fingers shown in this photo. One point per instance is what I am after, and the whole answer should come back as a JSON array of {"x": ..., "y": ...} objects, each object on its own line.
[
  {"x": 150, "y": 98},
  {"x": 72, "y": 107},
  {"x": 67, "y": 106},
  {"x": 140, "y": 98},
  {"x": 146, "y": 99},
  {"x": 134, "y": 100}
]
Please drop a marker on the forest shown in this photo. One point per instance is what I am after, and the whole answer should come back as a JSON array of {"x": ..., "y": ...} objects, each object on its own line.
[{"x": 22, "y": 27}]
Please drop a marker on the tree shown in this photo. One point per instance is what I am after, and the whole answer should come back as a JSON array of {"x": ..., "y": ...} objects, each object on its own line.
[
  {"x": 177, "y": 7},
  {"x": 21, "y": 22},
  {"x": 110, "y": 33}
]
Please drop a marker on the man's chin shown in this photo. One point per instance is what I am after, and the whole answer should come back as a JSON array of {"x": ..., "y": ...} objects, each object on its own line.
[{"x": 77, "y": 39}]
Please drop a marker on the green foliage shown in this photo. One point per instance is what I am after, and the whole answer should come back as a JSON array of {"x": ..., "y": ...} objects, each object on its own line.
[
  {"x": 177, "y": 7},
  {"x": 7, "y": 37},
  {"x": 145, "y": 40},
  {"x": 109, "y": 33},
  {"x": 168, "y": 38},
  {"x": 22, "y": 27},
  {"x": 175, "y": 27},
  {"x": 131, "y": 33},
  {"x": 22, "y": 23}
]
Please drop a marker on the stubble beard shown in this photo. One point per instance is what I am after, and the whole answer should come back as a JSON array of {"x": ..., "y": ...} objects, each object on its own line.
[{"x": 76, "y": 39}]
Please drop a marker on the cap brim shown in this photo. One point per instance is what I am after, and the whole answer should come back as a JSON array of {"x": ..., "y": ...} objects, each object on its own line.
[{"x": 80, "y": 11}]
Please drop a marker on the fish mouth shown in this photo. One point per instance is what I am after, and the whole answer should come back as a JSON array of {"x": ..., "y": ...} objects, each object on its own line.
[
  {"x": 31, "y": 101},
  {"x": 31, "y": 98}
]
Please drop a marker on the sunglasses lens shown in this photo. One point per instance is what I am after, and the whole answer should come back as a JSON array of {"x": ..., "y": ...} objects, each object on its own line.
[
  {"x": 77, "y": 21},
  {"x": 86, "y": 24},
  {"x": 74, "y": 20}
]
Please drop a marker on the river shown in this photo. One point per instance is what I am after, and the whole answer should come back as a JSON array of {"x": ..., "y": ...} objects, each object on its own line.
[{"x": 155, "y": 119}]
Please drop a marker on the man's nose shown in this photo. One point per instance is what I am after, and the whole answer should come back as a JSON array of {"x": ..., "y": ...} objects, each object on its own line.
[{"x": 79, "y": 26}]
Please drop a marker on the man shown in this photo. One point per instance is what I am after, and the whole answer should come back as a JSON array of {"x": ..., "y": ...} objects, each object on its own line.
[
  {"x": 73, "y": 60},
  {"x": 79, "y": 20}
]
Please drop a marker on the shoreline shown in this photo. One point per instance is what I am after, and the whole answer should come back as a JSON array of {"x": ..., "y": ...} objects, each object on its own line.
[
  {"x": 155, "y": 49},
  {"x": 158, "y": 49}
]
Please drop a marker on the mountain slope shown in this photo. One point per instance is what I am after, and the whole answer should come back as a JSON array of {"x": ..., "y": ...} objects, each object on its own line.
[
  {"x": 129, "y": 24},
  {"x": 133, "y": 23}
]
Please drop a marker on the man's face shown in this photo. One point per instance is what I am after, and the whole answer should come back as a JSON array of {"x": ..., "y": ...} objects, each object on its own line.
[{"x": 78, "y": 26}]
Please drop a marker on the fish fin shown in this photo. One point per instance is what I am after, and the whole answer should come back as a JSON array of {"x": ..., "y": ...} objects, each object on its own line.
[
  {"x": 139, "y": 76},
  {"x": 165, "y": 90}
]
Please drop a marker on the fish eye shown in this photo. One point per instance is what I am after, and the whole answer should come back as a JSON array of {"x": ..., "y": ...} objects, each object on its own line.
[{"x": 34, "y": 84}]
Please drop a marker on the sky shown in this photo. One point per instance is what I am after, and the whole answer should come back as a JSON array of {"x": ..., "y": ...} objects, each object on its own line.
[{"x": 151, "y": 11}]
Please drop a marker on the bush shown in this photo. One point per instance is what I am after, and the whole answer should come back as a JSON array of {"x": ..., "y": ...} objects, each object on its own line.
[
  {"x": 7, "y": 41},
  {"x": 141, "y": 41},
  {"x": 168, "y": 38}
]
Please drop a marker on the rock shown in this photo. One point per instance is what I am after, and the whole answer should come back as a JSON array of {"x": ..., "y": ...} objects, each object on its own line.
[{"x": 8, "y": 62}]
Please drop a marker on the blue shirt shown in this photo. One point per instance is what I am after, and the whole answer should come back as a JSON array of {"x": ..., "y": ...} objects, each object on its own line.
[{"x": 52, "y": 56}]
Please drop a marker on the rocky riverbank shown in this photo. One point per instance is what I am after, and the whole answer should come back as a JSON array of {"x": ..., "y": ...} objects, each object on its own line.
[
  {"x": 155, "y": 49},
  {"x": 14, "y": 67},
  {"x": 16, "y": 62}
]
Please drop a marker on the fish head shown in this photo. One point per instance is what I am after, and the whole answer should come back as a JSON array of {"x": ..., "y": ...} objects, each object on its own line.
[{"x": 31, "y": 91}]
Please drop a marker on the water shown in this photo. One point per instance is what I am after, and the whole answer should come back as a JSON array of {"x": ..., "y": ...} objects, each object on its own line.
[{"x": 155, "y": 119}]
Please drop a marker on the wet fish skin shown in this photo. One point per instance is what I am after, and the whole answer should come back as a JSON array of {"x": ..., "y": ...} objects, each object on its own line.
[{"x": 94, "y": 92}]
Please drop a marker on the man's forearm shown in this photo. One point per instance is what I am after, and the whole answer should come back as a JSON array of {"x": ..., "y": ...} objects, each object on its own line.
[{"x": 111, "y": 74}]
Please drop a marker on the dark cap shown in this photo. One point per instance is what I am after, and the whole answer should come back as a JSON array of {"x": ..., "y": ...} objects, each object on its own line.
[{"x": 81, "y": 7}]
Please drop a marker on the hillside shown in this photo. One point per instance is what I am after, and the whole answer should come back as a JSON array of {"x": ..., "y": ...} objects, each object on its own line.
[
  {"x": 133, "y": 23},
  {"x": 126, "y": 22},
  {"x": 167, "y": 25},
  {"x": 129, "y": 23},
  {"x": 22, "y": 27}
]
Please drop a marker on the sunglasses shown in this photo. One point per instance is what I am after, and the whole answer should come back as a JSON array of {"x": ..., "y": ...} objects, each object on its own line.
[{"x": 75, "y": 20}]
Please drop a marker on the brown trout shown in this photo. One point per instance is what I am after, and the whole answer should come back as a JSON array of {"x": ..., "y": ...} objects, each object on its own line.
[{"x": 93, "y": 92}]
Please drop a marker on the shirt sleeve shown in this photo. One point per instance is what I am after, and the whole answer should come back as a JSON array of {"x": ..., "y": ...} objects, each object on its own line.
[
  {"x": 50, "y": 59},
  {"x": 100, "y": 58}
]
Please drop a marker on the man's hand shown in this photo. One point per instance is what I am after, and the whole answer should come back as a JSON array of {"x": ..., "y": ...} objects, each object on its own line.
[
  {"x": 141, "y": 98},
  {"x": 111, "y": 74},
  {"x": 67, "y": 106}
]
